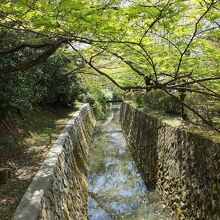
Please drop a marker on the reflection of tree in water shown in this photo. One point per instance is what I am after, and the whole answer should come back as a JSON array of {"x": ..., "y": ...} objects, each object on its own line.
[
  {"x": 115, "y": 187},
  {"x": 107, "y": 162}
]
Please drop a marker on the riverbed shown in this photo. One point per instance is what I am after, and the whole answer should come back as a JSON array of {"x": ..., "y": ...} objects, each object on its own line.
[{"x": 116, "y": 190}]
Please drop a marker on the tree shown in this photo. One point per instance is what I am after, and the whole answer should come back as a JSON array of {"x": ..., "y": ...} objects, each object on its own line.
[{"x": 167, "y": 44}]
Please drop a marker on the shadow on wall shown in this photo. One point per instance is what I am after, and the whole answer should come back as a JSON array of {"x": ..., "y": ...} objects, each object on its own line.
[{"x": 142, "y": 143}]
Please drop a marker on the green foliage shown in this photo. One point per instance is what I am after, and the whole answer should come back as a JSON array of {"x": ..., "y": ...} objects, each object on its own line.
[
  {"x": 97, "y": 99},
  {"x": 171, "y": 42},
  {"x": 209, "y": 108},
  {"x": 97, "y": 93},
  {"x": 17, "y": 92},
  {"x": 57, "y": 86},
  {"x": 98, "y": 107},
  {"x": 63, "y": 92},
  {"x": 43, "y": 85},
  {"x": 137, "y": 97},
  {"x": 154, "y": 99},
  {"x": 216, "y": 109},
  {"x": 159, "y": 100},
  {"x": 117, "y": 95}
]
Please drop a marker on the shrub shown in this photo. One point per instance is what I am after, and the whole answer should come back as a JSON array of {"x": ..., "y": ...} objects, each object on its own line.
[
  {"x": 45, "y": 84},
  {"x": 159, "y": 100},
  {"x": 61, "y": 90},
  {"x": 208, "y": 107},
  {"x": 17, "y": 92}
]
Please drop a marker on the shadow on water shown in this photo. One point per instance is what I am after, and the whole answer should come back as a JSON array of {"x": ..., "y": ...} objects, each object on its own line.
[{"x": 116, "y": 190}]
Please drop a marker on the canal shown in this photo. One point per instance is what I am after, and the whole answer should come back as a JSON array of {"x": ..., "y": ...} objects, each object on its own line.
[{"x": 116, "y": 190}]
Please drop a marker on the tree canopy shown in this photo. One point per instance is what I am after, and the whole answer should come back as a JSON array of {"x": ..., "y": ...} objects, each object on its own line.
[{"x": 172, "y": 45}]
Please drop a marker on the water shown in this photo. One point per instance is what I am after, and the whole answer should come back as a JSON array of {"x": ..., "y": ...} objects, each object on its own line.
[{"x": 116, "y": 190}]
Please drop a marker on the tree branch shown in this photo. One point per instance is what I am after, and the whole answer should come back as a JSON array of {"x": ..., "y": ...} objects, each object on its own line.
[
  {"x": 151, "y": 62},
  {"x": 129, "y": 63},
  {"x": 25, "y": 45},
  {"x": 96, "y": 69},
  {"x": 196, "y": 81},
  {"x": 31, "y": 63},
  {"x": 191, "y": 109},
  {"x": 193, "y": 36},
  {"x": 154, "y": 22},
  {"x": 178, "y": 88}
]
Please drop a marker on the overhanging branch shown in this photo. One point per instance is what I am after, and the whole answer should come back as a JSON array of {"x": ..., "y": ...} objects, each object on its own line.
[
  {"x": 23, "y": 66},
  {"x": 22, "y": 46}
]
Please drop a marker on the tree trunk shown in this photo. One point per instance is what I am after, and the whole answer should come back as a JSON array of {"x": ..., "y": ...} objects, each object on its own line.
[{"x": 5, "y": 174}]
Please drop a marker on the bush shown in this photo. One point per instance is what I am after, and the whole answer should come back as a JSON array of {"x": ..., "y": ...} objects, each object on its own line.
[
  {"x": 42, "y": 85},
  {"x": 117, "y": 94},
  {"x": 61, "y": 91},
  {"x": 208, "y": 107},
  {"x": 136, "y": 96},
  {"x": 98, "y": 100},
  {"x": 170, "y": 105},
  {"x": 17, "y": 92},
  {"x": 215, "y": 109},
  {"x": 156, "y": 99}
]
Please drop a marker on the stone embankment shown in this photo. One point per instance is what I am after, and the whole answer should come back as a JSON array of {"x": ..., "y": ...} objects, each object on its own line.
[
  {"x": 59, "y": 190},
  {"x": 184, "y": 166}
]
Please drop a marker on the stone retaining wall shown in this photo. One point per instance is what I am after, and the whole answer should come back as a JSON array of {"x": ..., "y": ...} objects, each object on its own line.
[
  {"x": 182, "y": 165},
  {"x": 60, "y": 188}
]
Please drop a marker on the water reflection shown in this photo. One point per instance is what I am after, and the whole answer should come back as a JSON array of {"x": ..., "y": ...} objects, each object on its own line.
[{"x": 116, "y": 190}]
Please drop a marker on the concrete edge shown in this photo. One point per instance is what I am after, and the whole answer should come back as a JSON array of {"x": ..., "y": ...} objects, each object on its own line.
[{"x": 30, "y": 203}]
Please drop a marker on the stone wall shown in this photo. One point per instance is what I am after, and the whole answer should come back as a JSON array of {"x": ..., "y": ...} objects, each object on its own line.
[
  {"x": 60, "y": 188},
  {"x": 182, "y": 165}
]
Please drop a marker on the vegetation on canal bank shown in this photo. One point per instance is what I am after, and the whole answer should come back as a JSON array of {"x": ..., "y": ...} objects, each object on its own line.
[
  {"x": 24, "y": 144},
  {"x": 159, "y": 101}
]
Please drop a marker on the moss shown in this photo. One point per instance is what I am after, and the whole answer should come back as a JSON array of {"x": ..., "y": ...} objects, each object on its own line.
[{"x": 205, "y": 133}]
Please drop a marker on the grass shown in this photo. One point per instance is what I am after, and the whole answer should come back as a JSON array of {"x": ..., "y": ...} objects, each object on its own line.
[{"x": 24, "y": 144}]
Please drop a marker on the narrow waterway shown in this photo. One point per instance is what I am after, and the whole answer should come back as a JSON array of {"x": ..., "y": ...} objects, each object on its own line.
[{"x": 116, "y": 190}]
